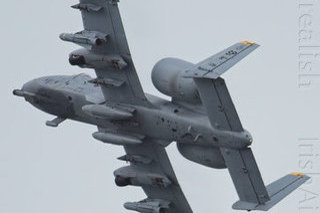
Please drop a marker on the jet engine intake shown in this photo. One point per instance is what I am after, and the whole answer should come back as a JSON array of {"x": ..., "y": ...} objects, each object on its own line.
[{"x": 167, "y": 77}]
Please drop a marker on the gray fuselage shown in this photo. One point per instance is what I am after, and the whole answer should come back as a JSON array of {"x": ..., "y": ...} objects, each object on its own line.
[{"x": 65, "y": 97}]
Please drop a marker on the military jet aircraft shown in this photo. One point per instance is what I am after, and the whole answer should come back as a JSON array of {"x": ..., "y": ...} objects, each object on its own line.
[{"x": 201, "y": 117}]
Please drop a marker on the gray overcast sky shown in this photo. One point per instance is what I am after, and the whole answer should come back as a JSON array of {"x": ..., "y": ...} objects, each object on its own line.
[{"x": 65, "y": 170}]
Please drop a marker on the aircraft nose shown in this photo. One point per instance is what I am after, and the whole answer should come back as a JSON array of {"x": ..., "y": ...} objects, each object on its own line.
[{"x": 31, "y": 86}]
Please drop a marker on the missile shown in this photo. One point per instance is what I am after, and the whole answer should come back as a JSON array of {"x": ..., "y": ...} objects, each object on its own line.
[
  {"x": 148, "y": 206},
  {"x": 80, "y": 39},
  {"x": 87, "y": 59},
  {"x": 140, "y": 177},
  {"x": 87, "y": 7},
  {"x": 85, "y": 38},
  {"x": 135, "y": 159},
  {"x": 106, "y": 112},
  {"x": 117, "y": 139}
]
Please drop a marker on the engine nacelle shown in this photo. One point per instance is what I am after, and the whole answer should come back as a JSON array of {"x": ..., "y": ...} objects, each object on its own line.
[
  {"x": 206, "y": 156},
  {"x": 167, "y": 77}
]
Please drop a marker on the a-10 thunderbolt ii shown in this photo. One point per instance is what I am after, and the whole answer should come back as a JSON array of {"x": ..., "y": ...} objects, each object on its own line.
[{"x": 201, "y": 117}]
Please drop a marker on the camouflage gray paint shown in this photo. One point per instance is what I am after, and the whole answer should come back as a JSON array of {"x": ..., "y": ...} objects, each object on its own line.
[{"x": 201, "y": 117}]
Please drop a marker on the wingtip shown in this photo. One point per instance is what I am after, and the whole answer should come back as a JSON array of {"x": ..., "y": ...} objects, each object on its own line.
[
  {"x": 299, "y": 174},
  {"x": 248, "y": 42}
]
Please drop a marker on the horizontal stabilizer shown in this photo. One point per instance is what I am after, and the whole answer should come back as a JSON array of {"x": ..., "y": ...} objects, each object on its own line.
[
  {"x": 277, "y": 191},
  {"x": 218, "y": 64}
]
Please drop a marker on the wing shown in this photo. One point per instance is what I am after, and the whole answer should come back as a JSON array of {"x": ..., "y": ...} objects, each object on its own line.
[
  {"x": 240, "y": 163},
  {"x": 242, "y": 166},
  {"x": 149, "y": 168},
  {"x": 108, "y": 51},
  {"x": 219, "y": 63},
  {"x": 160, "y": 183}
]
